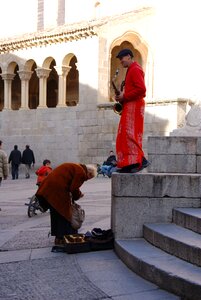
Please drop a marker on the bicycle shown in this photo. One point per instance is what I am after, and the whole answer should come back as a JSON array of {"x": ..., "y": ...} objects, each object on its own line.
[{"x": 33, "y": 206}]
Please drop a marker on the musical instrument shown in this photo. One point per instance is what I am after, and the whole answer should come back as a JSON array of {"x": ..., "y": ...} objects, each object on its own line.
[{"x": 117, "y": 106}]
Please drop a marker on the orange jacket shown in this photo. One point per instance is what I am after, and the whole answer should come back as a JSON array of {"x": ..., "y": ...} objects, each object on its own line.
[{"x": 42, "y": 173}]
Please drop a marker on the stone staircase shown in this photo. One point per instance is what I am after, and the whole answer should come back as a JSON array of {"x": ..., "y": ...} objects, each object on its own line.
[
  {"x": 169, "y": 254},
  {"x": 162, "y": 249}
]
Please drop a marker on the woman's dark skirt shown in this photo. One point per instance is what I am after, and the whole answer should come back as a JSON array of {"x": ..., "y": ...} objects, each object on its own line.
[{"x": 59, "y": 225}]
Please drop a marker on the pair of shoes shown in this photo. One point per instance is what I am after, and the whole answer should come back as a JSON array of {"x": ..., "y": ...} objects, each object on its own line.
[{"x": 134, "y": 168}]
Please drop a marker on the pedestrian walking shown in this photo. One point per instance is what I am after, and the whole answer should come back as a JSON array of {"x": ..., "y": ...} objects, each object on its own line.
[
  {"x": 4, "y": 170},
  {"x": 15, "y": 158},
  {"x": 28, "y": 159}
]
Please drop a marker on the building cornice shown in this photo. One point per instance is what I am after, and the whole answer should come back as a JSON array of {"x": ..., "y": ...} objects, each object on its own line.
[
  {"x": 45, "y": 38},
  {"x": 61, "y": 34}
]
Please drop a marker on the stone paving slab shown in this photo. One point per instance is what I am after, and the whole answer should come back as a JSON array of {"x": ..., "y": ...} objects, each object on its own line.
[{"x": 29, "y": 270}]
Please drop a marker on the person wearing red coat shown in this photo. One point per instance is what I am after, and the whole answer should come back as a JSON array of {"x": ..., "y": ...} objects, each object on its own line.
[
  {"x": 58, "y": 190},
  {"x": 130, "y": 156}
]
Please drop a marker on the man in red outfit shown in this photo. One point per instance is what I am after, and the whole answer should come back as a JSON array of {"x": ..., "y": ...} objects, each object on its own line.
[{"x": 130, "y": 156}]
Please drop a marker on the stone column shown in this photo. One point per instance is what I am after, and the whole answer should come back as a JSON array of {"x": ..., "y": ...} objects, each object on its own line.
[
  {"x": 62, "y": 73},
  {"x": 7, "y": 77},
  {"x": 42, "y": 75},
  {"x": 25, "y": 77}
]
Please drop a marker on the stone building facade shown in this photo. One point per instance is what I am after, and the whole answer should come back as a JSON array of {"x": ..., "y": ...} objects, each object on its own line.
[{"x": 55, "y": 83}]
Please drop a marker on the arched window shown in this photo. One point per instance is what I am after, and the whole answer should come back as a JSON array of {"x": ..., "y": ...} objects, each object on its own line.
[{"x": 119, "y": 76}]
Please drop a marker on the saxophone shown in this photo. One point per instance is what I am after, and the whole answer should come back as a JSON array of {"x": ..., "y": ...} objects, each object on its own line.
[{"x": 117, "y": 106}]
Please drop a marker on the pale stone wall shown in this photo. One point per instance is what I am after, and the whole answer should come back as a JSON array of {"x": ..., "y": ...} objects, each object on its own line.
[
  {"x": 172, "y": 180},
  {"x": 76, "y": 133}
]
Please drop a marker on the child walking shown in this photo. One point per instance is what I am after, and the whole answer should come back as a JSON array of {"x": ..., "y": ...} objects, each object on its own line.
[{"x": 43, "y": 171}]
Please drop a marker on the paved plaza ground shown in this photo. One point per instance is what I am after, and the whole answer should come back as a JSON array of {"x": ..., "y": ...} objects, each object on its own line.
[{"x": 28, "y": 268}]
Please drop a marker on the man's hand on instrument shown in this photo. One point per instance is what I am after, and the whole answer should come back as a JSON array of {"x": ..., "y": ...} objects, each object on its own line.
[{"x": 119, "y": 98}]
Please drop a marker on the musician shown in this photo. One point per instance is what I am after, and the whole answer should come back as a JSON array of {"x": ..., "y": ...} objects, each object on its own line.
[{"x": 130, "y": 156}]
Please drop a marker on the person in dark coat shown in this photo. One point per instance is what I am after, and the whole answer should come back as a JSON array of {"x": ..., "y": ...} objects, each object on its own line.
[
  {"x": 15, "y": 158},
  {"x": 58, "y": 190},
  {"x": 28, "y": 159}
]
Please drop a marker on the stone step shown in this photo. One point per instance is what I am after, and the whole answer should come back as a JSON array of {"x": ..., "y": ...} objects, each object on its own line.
[
  {"x": 167, "y": 271},
  {"x": 174, "y": 154},
  {"x": 149, "y": 198},
  {"x": 188, "y": 217},
  {"x": 172, "y": 163},
  {"x": 157, "y": 185},
  {"x": 175, "y": 240}
]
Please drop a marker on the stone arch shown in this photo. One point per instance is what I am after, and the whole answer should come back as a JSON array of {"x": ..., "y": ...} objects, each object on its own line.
[
  {"x": 133, "y": 41},
  {"x": 28, "y": 66},
  {"x": 66, "y": 60},
  {"x": 47, "y": 62},
  {"x": 11, "y": 61},
  {"x": 72, "y": 80},
  {"x": 52, "y": 82},
  {"x": 11, "y": 67}
]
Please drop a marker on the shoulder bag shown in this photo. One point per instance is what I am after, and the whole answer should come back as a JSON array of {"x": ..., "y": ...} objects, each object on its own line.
[{"x": 78, "y": 216}]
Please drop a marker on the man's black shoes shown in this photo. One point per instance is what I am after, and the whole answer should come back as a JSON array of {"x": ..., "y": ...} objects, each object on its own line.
[{"x": 134, "y": 168}]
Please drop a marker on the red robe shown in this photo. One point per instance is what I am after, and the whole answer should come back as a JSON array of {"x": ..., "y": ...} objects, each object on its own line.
[
  {"x": 131, "y": 125},
  {"x": 58, "y": 186}
]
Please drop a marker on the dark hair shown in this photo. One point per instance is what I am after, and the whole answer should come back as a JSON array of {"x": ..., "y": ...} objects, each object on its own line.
[
  {"x": 46, "y": 161},
  {"x": 1, "y": 143},
  {"x": 15, "y": 147},
  {"x": 124, "y": 52}
]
